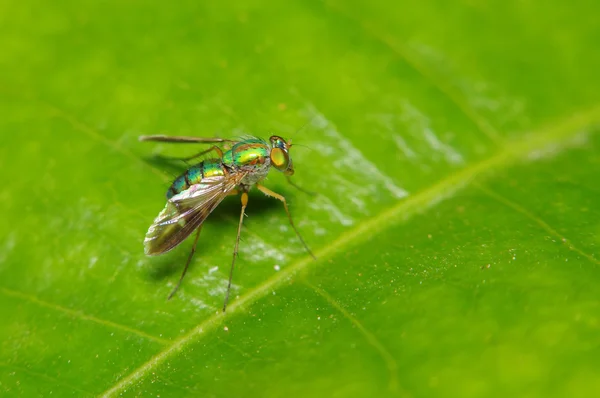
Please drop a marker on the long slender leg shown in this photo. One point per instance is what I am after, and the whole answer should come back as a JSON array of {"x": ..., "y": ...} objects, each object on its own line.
[
  {"x": 237, "y": 245},
  {"x": 212, "y": 148},
  {"x": 275, "y": 195},
  {"x": 187, "y": 264},
  {"x": 299, "y": 188},
  {"x": 182, "y": 140},
  {"x": 186, "y": 159}
]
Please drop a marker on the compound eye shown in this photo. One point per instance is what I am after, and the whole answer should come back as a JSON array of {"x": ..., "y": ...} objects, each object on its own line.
[{"x": 280, "y": 158}]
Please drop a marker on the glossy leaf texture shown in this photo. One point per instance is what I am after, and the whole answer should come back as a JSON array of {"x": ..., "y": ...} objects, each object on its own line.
[{"x": 454, "y": 147}]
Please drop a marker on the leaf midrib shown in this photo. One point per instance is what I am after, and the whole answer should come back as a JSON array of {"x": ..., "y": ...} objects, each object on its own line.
[{"x": 555, "y": 134}]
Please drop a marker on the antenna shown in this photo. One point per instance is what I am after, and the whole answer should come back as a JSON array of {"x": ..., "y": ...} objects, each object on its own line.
[{"x": 302, "y": 128}]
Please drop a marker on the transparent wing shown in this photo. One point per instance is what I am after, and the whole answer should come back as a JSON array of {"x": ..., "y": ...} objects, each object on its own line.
[{"x": 187, "y": 211}]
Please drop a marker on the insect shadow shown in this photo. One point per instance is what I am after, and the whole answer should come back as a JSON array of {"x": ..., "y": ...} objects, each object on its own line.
[
  {"x": 170, "y": 165},
  {"x": 219, "y": 222}
]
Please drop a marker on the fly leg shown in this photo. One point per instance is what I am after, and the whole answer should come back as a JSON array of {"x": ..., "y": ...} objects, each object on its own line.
[
  {"x": 187, "y": 264},
  {"x": 212, "y": 148},
  {"x": 182, "y": 140},
  {"x": 188, "y": 140},
  {"x": 275, "y": 195},
  {"x": 189, "y": 260},
  {"x": 298, "y": 187},
  {"x": 237, "y": 245}
]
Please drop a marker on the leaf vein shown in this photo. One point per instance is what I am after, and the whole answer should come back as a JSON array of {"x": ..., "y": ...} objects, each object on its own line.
[
  {"x": 520, "y": 209},
  {"x": 80, "y": 315},
  {"x": 401, "y": 211},
  {"x": 371, "y": 338},
  {"x": 49, "y": 378},
  {"x": 90, "y": 132}
]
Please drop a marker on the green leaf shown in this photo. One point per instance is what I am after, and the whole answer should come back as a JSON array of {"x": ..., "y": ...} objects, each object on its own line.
[{"x": 454, "y": 147}]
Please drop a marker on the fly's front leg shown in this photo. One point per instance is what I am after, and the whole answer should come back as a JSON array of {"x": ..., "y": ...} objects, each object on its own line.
[
  {"x": 298, "y": 187},
  {"x": 275, "y": 195}
]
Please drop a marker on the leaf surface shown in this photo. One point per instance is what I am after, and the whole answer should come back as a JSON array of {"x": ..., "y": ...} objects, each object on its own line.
[{"x": 454, "y": 148}]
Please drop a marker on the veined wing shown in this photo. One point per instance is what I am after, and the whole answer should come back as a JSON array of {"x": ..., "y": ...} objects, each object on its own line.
[{"x": 186, "y": 211}]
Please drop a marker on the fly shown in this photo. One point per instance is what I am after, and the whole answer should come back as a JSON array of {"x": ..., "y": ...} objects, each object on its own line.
[{"x": 197, "y": 192}]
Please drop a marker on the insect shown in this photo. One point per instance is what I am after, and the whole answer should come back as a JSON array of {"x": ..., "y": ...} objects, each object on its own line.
[{"x": 197, "y": 192}]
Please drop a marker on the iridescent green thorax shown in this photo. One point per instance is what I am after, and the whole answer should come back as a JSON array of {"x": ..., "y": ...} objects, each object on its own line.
[
  {"x": 250, "y": 152},
  {"x": 250, "y": 155}
]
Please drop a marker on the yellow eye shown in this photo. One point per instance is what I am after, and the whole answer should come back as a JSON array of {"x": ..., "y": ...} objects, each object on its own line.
[{"x": 279, "y": 158}]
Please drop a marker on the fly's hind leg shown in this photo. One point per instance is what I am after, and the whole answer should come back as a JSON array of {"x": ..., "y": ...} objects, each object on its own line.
[
  {"x": 236, "y": 247},
  {"x": 275, "y": 195},
  {"x": 189, "y": 259},
  {"x": 187, "y": 264},
  {"x": 182, "y": 139}
]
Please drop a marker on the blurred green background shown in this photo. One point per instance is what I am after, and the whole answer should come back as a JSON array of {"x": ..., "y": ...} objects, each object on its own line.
[{"x": 455, "y": 149}]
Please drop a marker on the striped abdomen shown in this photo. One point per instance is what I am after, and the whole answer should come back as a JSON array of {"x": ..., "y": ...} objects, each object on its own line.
[{"x": 194, "y": 175}]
